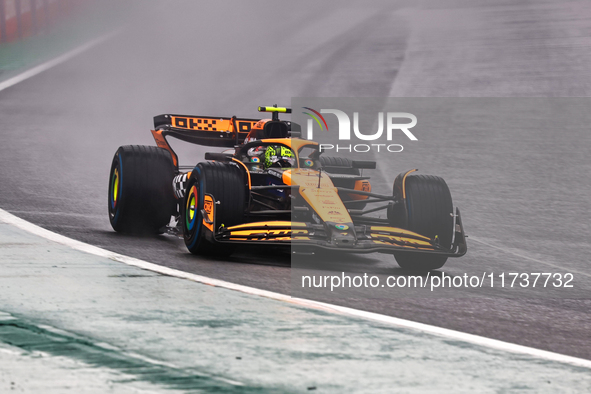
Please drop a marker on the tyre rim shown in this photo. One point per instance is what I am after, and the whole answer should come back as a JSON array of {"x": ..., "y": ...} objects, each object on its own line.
[
  {"x": 115, "y": 188},
  {"x": 191, "y": 216}
]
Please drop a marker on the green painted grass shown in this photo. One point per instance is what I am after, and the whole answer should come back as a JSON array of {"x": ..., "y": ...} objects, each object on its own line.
[{"x": 32, "y": 338}]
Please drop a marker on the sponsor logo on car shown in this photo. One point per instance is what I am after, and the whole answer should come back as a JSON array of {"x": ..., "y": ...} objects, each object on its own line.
[{"x": 208, "y": 206}]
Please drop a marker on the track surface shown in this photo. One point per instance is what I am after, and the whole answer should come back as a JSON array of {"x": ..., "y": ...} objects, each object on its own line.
[{"x": 60, "y": 129}]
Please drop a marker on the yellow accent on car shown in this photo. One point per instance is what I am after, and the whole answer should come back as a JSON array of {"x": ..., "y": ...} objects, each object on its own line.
[
  {"x": 270, "y": 224},
  {"x": 398, "y": 230},
  {"x": 273, "y": 109},
  {"x": 404, "y": 183},
  {"x": 192, "y": 207},
  {"x": 116, "y": 185},
  {"x": 286, "y": 232}
]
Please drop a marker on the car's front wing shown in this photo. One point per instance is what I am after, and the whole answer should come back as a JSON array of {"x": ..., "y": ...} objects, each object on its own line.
[{"x": 365, "y": 239}]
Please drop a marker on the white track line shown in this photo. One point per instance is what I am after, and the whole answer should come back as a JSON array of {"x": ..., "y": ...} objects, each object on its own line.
[
  {"x": 8, "y": 218},
  {"x": 526, "y": 257},
  {"x": 54, "y": 62}
]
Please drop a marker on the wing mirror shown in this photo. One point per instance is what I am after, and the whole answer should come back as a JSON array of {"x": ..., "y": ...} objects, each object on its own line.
[
  {"x": 218, "y": 156},
  {"x": 362, "y": 164}
]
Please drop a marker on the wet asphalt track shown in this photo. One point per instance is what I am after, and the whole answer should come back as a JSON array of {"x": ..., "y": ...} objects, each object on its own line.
[{"x": 60, "y": 129}]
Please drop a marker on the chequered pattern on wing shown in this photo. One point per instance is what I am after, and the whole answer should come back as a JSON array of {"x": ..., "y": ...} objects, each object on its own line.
[{"x": 179, "y": 184}]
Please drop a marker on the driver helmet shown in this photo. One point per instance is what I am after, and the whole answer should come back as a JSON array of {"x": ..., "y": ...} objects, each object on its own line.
[{"x": 279, "y": 154}]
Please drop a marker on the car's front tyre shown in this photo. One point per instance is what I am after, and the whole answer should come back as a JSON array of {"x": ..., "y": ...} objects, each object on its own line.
[
  {"x": 430, "y": 213},
  {"x": 225, "y": 182}
]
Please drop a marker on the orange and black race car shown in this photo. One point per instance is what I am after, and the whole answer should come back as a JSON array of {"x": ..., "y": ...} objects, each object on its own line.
[{"x": 270, "y": 187}]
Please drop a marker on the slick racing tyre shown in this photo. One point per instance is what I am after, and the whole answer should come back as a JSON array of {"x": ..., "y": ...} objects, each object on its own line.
[
  {"x": 141, "y": 197},
  {"x": 338, "y": 165},
  {"x": 430, "y": 210},
  {"x": 225, "y": 182}
]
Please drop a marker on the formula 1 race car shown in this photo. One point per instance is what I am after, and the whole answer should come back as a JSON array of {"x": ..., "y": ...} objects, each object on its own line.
[{"x": 270, "y": 187}]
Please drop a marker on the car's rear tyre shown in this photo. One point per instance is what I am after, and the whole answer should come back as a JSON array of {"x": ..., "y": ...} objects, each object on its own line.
[
  {"x": 430, "y": 209},
  {"x": 225, "y": 183},
  {"x": 141, "y": 197}
]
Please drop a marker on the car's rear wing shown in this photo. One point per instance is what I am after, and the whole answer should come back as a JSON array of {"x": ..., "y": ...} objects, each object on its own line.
[{"x": 201, "y": 130}]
